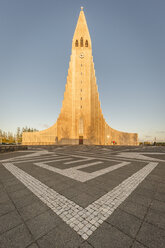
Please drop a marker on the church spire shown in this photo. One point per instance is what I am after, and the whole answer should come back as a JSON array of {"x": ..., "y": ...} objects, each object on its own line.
[{"x": 81, "y": 36}]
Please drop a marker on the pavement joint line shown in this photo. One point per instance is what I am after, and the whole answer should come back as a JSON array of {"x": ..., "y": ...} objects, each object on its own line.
[
  {"x": 81, "y": 176},
  {"x": 101, "y": 209}
]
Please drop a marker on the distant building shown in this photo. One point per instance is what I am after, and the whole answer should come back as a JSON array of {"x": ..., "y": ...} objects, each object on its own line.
[{"x": 81, "y": 120}]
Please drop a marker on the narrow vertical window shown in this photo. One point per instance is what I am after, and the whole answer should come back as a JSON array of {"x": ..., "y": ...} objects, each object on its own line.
[
  {"x": 86, "y": 43},
  {"x": 81, "y": 42},
  {"x": 76, "y": 43}
]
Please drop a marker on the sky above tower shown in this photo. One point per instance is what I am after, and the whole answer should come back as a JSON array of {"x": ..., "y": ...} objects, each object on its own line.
[{"x": 128, "y": 40}]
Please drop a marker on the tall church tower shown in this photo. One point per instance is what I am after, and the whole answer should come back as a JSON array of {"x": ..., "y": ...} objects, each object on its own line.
[{"x": 81, "y": 119}]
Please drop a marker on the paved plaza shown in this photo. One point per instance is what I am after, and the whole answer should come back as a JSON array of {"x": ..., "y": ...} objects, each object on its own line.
[{"x": 83, "y": 196}]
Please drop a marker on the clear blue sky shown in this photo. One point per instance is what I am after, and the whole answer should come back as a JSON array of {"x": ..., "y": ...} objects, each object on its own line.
[{"x": 128, "y": 40}]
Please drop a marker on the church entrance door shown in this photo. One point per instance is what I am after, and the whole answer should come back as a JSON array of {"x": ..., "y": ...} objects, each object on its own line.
[{"x": 80, "y": 140}]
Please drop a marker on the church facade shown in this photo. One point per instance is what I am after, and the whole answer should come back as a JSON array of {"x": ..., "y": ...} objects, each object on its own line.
[{"x": 81, "y": 120}]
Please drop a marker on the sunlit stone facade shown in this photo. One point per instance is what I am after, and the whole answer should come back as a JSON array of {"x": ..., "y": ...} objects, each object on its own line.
[{"x": 81, "y": 119}]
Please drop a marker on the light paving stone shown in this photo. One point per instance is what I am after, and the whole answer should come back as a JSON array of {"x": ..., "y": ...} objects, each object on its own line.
[{"x": 53, "y": 199}]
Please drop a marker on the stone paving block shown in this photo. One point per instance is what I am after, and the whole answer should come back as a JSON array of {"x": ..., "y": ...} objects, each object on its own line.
[
  {"x": 34, "y": 245},
  {"x": 27, "y": 200},
  {"x": 18, "y": 237},
  {"x": 139, "y": 199},
  {"x": 83, "y": 199},
  {"x": 158, "y": 205},
  {"x": 60, "y": 237},
  {"x": 148, "y": 184},
  {"x": 85, "y": 245},
  {"x": 155, "y": 178},
  {"x": 133, "y": 208},
  {"x": 43, "y": 223},
  {"x": 138, "y": 245},
  {"x": 127, "y": 223},
  {"x": 9, "y": 221},
  {"x": 107, "y": 236},
  {"x": 6, "y": 207},
  {"x": 156, "y": 218},
  {"x": 32, "y": 210},
  {"x": 151, "y": 236},
  {"x": 161, "y": 188},
  {"x": 14, "y": 187},
  {"x": 160, "y": 196},
  {"x": 61, "y": 186},
  {"x": 19, "y": 194},
  {"x": 145, "y": 192},
  {"x": 9, "y": 182},
  {"x": 3, "y": 197}
]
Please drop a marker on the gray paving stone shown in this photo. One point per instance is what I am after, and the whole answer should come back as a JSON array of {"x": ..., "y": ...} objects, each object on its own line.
[
  {"x": 127, "y": 223},
  {"x": 161, "y": 189},
  {"x": 145, "y": 192},
  {"x": 85, "y": 245},
  {"x": 43, "y": 223},
  {"x": 148, "y": 184},
  {"x": 158, "y": 205},
  {"x": 3, "y": 197},
  {"x": 83, "y": 199},
  {"x": 32, "y": 210},
  {"x": 14, "y": 187},
  {"x": 133, "y": 208},
  {"x": 160, "y": 196},
  {"x": 34, "y": 245},
  {"x": 6, "y": 207},
  {"x": 19, "y": 194},
  {"x": 27, "y": 200},
  {"x": 151, "y": 236},
  {"x": 107, "y": 236},
  {"x": 9, "y": 221},
  {"x": 143, "y": 200},
  {"x": 156, "y": 218},
  {"x": 18, "y": 237},
  {"x": 138, "y": 245},
  {"x": 59, "y": 237}
]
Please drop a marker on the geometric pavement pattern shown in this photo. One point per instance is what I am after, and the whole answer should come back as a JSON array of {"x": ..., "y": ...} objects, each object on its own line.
[{"x": 84, "y": 164}]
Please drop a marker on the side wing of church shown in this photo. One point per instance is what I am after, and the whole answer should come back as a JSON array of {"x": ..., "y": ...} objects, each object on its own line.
[{"x": 81, "y": 119}]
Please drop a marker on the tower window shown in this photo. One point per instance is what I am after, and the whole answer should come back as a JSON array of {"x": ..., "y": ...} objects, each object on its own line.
[
  {"x": 81, "y": 73},
  {"x": 81, "y": 64},
  {"x": 86, "y": 43},
  {"x": 81, "y": 42},
  {"x": 81, "y": 90},
  {"x": 81, "y": 106},
  {"x": 81, "y": 98},
  {"x": 76, "y": 43}
]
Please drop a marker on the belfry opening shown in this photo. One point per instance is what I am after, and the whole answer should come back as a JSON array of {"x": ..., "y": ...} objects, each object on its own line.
[{"x": 81, "y": 120}]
